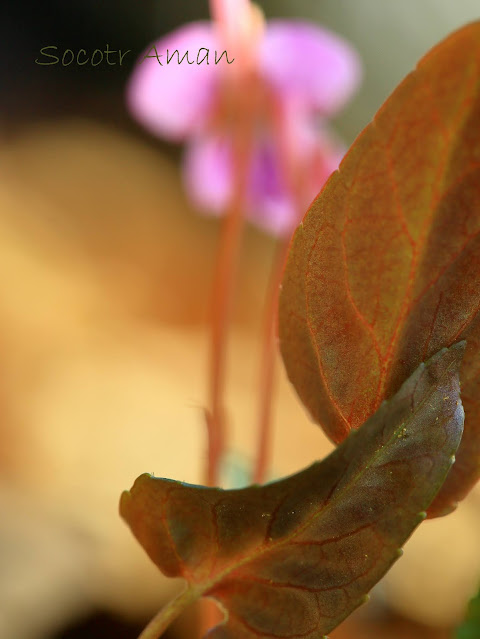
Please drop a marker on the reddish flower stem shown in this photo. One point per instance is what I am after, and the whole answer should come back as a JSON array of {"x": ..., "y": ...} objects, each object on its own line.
[
  {"x": 218, "y": 11},
  {"x": 224, "y": 284},
  {"x": 295, "y": 181},
  {"x": 223, "y": 289},
  {"x": 267, "y": 362},
  {"x": 240, "y": 126},
  {"x": 225, "y": 275}
]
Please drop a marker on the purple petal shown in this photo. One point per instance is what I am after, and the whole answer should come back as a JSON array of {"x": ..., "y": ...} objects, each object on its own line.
[
  {"x": 173, "y": 100},
  {"x": 208, "y": 173},
  {"x": 277, "y": 200},
  {"x": 269, "y": 202},
  {"x": 310, "y": 64},
  {"x": 315, "y": 154},
  {"x": 317, "y": 149},
  {"x": 209, "y": 182}
]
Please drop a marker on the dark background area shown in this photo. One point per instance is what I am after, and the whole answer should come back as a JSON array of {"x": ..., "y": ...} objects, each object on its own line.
[
  {"x": 101, "y": 626},
  {"x": 31, "y": 91}
]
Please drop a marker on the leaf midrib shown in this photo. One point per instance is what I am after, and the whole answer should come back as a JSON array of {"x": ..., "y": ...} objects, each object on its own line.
[{"x": 349, "y": 487}]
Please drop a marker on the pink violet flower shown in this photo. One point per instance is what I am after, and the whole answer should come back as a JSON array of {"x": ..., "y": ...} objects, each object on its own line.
[{"x": 295, "y": 74}]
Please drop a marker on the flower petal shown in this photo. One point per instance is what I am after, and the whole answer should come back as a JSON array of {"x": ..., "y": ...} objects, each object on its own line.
[
  {"x": 310, "y": 64},
  {"x": 317, "y": 152},
  {"x": 208, "y": 173},
  {"x": 173, "y": 99},
  {"x": 269, "y": 203}
]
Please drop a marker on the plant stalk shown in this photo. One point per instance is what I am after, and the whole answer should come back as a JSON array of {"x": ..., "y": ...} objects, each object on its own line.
[
  {"x": 225, "y": 275},
  {"x": 267, "y": 363},
  {"x": 169, "y": 613}
]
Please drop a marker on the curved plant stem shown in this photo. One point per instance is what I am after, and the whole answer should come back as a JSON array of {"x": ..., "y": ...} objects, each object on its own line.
[
  {"x": 295, "y": 181},
  {"x": 267, "y": 364},
  {"x": 240, "y": 127},
  {"x": 223, "y": 288},
  {"x": 169, "y": 613},
  {"x": 225, "y": 273},
  {"x": 217, "y": 10}
]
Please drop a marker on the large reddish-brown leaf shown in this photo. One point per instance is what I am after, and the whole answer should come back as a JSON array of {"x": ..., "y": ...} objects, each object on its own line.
[
  {"x": 295, "y": 557},
  {"x": 385, "y": 268}
]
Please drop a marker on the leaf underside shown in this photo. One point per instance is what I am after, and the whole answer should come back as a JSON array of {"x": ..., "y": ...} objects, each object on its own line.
[
  {"x": 385, "y": 268},
  {"x": 295, "y": 557}
]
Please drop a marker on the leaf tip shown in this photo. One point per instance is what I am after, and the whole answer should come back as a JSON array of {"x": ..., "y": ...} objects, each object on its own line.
[
  {"x": 125, "y": 499},
  {"x": 442, "y": 510},
  {"x": 458, "y": 349},
  {"x": 447, "y": 360}
]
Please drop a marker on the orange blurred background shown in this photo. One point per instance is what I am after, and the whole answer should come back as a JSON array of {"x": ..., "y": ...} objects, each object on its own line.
[{"x": 105, "y": 275}]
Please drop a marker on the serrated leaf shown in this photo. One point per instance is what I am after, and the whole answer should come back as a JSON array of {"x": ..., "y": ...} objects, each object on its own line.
[
  {"x": 385, "y": 268},
  {"x": 295, "y": 557}
]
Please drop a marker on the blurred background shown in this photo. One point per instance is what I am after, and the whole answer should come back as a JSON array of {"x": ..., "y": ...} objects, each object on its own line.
[{"x": 105, "y": 274}]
